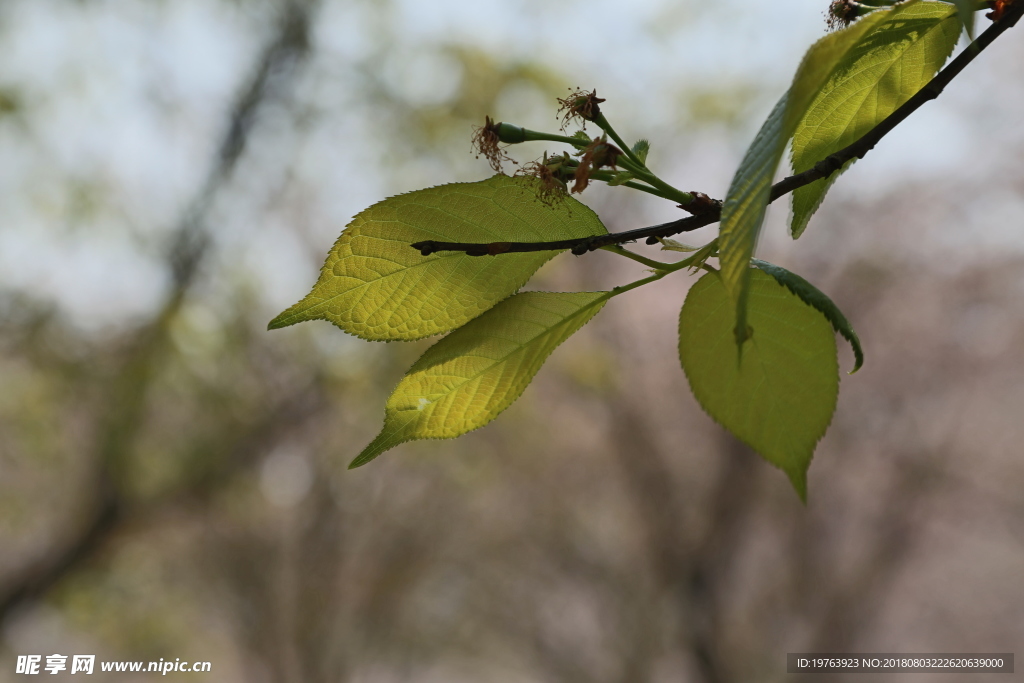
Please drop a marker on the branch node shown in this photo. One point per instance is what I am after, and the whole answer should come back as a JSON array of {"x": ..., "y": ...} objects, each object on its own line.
[
  {"x": 426, "y": 248},
  {"x": 701, "y": 203}
]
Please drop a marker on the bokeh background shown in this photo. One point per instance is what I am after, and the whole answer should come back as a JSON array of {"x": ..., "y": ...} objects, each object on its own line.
[{"x": 172, "y": 475}]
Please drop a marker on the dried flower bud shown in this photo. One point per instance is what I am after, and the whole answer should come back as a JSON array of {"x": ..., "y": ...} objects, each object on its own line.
[
  {"x": 579, "y": 105},
  {"x": 486, "y": 139},
  {"x": 841, "y": 14},
  {"x": 597, "y": 154},
  {"x": 553, "y": 187},
  {"x": 999, "y": 8}
]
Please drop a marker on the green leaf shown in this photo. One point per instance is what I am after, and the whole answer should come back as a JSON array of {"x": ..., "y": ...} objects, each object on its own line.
[
  {"x": 375, "y": 286},
  {"x": 780, "y": 397},
  {"x": 814, "y": 297},
  {"x": 620, "y": 178},
  {"x": 582, "y": 135},
  {"x": 893, "y": 61},
  {"x": 965, "y": 15},
  {"x": 745, "y": 204},
  {"x": 641, "y": 148},
  {"x": 463, "y": 381},
  {"x": 743, "y": 211}
]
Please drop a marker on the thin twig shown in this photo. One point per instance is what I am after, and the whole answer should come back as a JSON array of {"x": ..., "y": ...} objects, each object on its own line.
[{"x": 713, "y": 214}]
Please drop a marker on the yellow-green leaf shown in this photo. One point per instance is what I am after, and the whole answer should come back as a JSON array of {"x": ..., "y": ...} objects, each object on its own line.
[
  {"x": 892, "y": 61},
  {"x": 376, "y": 286},
  {"x": 816, "y": 299},
  {"x": 463, "y": 381},
  {"x": 779, "y": 399},
  {"x": 745, "y": 203}
]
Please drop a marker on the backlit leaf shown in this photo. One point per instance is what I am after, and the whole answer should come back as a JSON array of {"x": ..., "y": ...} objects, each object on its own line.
[
  {"x": 745, "y": 203},
  {"x": 375, "y": 286},
  {"x": 780, "y": 397},
  {"x": 814, "y": 297},
  {"x": 893, "y": 60},
  {"x": 965, "y": 15},
  {"x": 463, "y": 381}
]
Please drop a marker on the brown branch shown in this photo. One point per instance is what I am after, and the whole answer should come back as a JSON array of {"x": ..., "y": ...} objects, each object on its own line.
[{"x": 713, "y": 214}]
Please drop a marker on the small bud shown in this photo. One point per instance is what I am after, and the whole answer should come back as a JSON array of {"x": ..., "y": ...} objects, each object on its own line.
[{"x": 510, "y": 134}]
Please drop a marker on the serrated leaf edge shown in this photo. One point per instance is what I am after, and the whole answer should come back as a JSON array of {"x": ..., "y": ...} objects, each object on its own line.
[
  {"x": 381, "y": 442},
  {"x": 825, "y": 306}
]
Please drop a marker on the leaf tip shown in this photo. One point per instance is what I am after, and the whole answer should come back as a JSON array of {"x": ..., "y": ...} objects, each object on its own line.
[
  {"x": 278, "y": 322},
  {"x": 369, "y": 453},
  {"x": 799, "y": 480},
  {"x": 382, "y": 443},
  {"x": 361, "y": 460}
]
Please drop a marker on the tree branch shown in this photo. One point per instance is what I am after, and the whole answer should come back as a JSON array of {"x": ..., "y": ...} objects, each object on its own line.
[
  {"x": 713, "y": 213},
  {"x": 106, "y": 513}
]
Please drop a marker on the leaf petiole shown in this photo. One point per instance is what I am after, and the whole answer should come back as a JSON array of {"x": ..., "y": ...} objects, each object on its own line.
[
  {"x": 535, "y": 136},
  {"x": 615, "y": 291},
  {"x": 603, "y": 124},
  {"x": 697, "y": 259},
  {"x": 605, "y": 176},
  {"x": 650, "y": 263}
]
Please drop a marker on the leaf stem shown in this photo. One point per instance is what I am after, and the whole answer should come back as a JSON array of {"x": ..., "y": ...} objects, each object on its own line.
[
  {"x": 513, "y": 134},
  {"x": 634, "y": 165},
  {"x": 603, "y": 124},
  {"x": 696, "y": 259},
  {"x": 650, "y": 263},
  {"x": 699, "y": 257},
  {"x": 533, "y": 136},
  {"x": 615, "y": 291},
  {"x": 822, "y": 169},
  {"x": 606, "y": 176},
  {"x": 644, "y": 174}
]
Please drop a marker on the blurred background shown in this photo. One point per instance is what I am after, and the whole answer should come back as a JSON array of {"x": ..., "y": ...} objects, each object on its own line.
[{"x": 172, "y": 475}]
